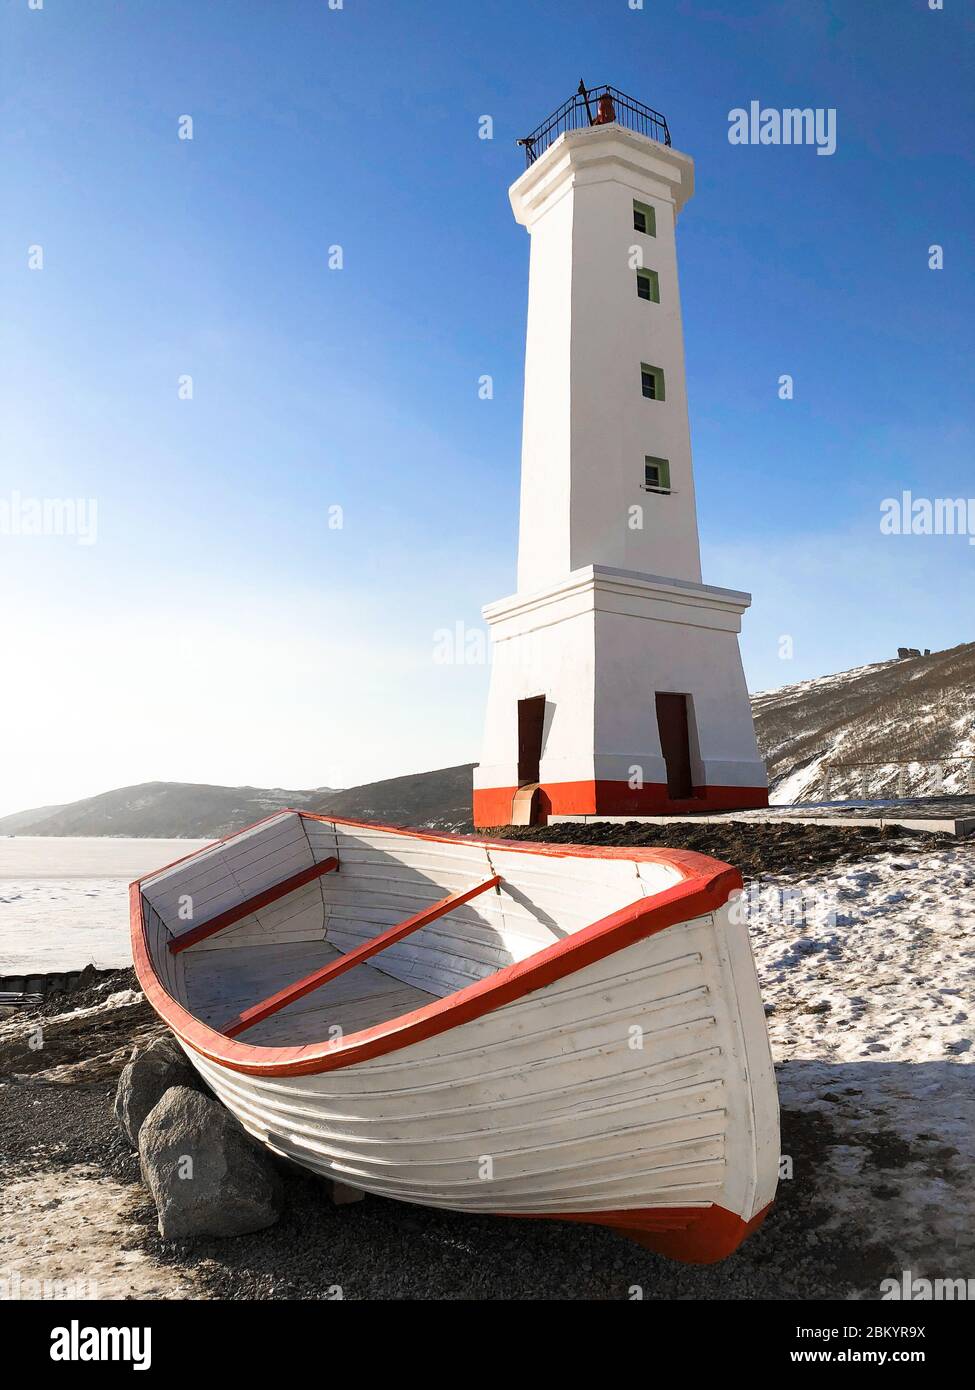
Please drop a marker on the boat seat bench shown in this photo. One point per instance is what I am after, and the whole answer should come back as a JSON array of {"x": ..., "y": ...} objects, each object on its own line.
[
  {"x": 275, "y": 1002},
  {"x": 252, "y": 905}
]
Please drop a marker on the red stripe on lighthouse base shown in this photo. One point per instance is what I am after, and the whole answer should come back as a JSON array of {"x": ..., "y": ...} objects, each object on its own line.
[{"x": 492, "y": 805}]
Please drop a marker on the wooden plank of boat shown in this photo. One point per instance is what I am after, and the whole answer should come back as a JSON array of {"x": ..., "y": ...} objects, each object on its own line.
[
  {"x": 275, "y": 1002},
  {"x": 251, "y": 905}
]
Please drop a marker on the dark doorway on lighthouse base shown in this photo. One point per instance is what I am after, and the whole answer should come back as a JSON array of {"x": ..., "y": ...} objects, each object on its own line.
[
  {"x": 531, "y": 725},
  {"x": 675, "y": 743},
  {"x": 526, "y": 805}
]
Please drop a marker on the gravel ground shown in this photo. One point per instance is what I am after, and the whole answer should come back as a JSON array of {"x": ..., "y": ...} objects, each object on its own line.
[
  {"x": 377, "y": 1249},
  {"x": 866, "y": 1140},
  {"x": 756, "y": 848}
]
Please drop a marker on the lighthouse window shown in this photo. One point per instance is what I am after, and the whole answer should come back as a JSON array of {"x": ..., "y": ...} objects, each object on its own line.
[
  {"x": 644, "y": 218},
  {"x": 652, "y": 382},
  {"x": 648, "y": 285},
  {"x": 656, "y": 475}
]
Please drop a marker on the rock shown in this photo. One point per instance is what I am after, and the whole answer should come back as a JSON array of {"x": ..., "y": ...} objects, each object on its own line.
[
  {"x": 206, "y": 1176},
  {"x": 343, "y": 1195},
  {"x": 145, "y": 1080}
]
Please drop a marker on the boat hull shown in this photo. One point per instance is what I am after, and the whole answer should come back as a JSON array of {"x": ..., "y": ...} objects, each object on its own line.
[{"x": 621, "y": 1076}]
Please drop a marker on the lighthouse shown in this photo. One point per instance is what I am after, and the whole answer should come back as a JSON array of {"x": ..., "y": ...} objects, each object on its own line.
[{"x": 616, "y": 679}]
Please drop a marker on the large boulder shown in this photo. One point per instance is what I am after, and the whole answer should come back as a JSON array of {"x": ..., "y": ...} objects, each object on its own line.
[
  {"x": 206, "y": 1176},
  {"x": 146, "y": 1079}
]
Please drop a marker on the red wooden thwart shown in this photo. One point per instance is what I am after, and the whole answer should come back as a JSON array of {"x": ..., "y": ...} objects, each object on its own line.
[
  {"x": 252, "y": 905},
  {"x": 275, "y": 1002}
]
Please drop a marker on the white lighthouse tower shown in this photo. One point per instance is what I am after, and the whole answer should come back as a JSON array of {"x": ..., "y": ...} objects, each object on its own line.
[{"x": 616, "y": 685}]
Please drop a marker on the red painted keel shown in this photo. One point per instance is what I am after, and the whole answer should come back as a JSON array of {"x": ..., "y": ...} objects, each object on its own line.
[{"x": 692, "y": 1235}]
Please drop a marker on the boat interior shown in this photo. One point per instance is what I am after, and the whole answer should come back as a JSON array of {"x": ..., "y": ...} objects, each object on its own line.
[{"x": 303, "y": 928}]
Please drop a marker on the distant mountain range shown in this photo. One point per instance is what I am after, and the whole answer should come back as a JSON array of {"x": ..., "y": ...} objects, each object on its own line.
[
  {"x": 20, "y": 820},
  {"x": 920, "y": 708},
  {"x": 437, "y": 800}
]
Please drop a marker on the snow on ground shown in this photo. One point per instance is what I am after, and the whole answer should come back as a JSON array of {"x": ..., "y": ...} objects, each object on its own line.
[
  {"x": 870, "y": 959},
  {"x": 69, "y": 1233},
  {"x": 867, "y": 971}
]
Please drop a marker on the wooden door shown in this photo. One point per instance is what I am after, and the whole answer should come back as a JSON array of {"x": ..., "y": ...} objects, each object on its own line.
[
  {"x": 675, "y": 743},
  {"x": 531, "y": 721}
]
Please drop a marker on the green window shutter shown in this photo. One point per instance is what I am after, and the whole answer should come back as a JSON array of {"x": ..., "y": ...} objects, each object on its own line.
[
  {"x": 656, "y": 391},
  {"x": 657, "y": 474},
  {"x": 648, "y": 285},
  {"x": 644, "y": 214}
]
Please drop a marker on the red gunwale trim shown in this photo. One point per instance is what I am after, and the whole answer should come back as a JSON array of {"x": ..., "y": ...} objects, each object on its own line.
[
  {"x": 706, "y": 884},
  {"x": 252, "y": 905}
]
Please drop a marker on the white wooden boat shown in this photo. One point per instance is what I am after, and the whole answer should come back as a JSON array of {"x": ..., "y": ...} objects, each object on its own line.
[{"x": 524, "y": 1029}]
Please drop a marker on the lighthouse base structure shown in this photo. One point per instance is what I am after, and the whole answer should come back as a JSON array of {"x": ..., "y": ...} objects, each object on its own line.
[
  {"x": 595, "y": 798},
  {"x": 618, "y": 693}
]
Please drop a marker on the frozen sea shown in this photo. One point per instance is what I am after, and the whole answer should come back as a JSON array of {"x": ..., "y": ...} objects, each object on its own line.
[{"x": 64, "y": 901}]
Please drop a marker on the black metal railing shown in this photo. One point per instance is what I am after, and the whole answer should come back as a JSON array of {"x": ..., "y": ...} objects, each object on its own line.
[{"x": 581, "y": 110}]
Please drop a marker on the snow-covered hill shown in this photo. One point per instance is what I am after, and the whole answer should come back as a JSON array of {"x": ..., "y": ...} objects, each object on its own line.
[{"x": 917, "y": 709}]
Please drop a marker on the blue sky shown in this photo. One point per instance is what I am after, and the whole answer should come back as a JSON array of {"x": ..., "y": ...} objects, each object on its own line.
[{"x": 220, "y": 629}]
